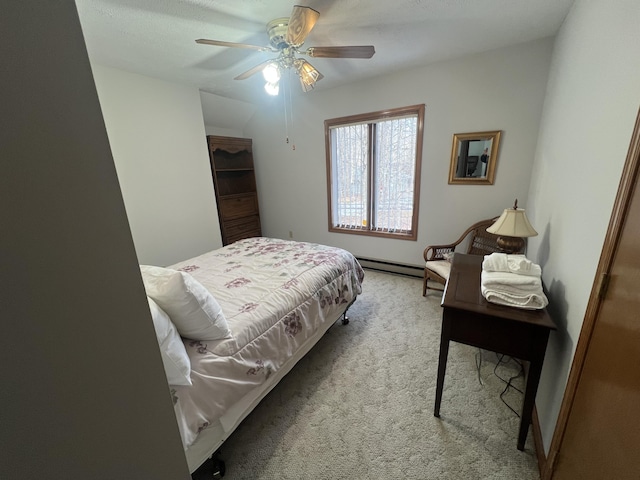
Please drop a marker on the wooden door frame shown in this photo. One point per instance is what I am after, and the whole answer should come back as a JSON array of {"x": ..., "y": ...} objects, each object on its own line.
[{"x": 612, "y": 240}]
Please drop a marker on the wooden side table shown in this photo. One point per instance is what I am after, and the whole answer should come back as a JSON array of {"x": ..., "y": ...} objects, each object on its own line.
[{"x": 468, "y": 318}]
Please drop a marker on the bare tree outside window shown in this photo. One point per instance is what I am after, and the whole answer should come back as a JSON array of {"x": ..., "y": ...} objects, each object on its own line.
[{"x": 373, "y": 166}]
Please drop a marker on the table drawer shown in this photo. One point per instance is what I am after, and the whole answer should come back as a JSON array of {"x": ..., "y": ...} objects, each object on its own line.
[
  {"x": 238, "y": 206},
  {"x": 239, "y": 226}
]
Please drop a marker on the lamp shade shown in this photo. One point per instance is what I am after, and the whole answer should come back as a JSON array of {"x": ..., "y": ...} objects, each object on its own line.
[
  {"x": 308, "y": 74},
  {"x": 513, "y": 223}
]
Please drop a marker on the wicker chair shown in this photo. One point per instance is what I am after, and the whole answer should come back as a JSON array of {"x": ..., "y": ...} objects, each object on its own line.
[{"x": 437, "y": 266}]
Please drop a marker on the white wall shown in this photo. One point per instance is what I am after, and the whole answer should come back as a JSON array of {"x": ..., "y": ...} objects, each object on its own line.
[
  {"x": 157, "y": 137},
  {"x": 590, "y": 108},
  {"x": 498, "y": 90},
  {"x": 225, "y": 116},
  {"x": 224, "y": 132},
  {"x": 84, "y": 395}
]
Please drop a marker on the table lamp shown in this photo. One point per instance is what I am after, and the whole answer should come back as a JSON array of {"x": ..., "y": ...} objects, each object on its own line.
[{"x": 512, "y": 227}]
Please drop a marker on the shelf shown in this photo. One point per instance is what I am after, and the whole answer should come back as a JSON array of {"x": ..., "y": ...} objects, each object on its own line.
[
  {"x": 246, "y": 169},
  {"x": 237, "y": 194},
  {"x": 222, "y": 162},
  {"x": 235, "y": 187},
  {"x": 238, "y": 181}
]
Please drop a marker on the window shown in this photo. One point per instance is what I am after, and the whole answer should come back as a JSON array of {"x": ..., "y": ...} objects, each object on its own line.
[{"x": 373, "y": 172}]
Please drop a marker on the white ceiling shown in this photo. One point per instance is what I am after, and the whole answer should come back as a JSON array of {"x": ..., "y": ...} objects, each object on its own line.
[{"x": 157, "y": 37}]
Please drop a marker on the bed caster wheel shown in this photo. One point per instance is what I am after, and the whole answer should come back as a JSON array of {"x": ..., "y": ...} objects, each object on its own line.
[
  {"x": 218, "y": 470},
  {"x": 212, "y": 468},
  {"x": 345, "y": 320}
]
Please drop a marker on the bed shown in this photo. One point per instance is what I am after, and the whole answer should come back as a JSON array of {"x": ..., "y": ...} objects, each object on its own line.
[{"x": 278, "y": 298}]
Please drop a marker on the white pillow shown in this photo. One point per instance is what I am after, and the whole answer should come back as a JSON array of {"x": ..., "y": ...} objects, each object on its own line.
[
  {"x": 191, "y": 307},
  {"x": 176, "y": 362}
]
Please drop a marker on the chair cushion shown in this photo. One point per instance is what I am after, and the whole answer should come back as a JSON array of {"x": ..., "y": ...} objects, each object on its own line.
[{"x": 441, "y": 267}]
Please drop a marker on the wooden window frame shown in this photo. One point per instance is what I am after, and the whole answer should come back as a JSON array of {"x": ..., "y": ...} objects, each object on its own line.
[{"x": 370, "y": 119}]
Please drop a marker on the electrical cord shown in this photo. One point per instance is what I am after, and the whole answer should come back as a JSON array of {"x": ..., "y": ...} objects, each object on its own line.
[
  {"x": 508, "y": 382},
  {"x": 478, "y": 365},
  {"x": 511, "y": 379}
]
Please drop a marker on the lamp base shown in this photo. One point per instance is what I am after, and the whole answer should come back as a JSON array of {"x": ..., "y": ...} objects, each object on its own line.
[{"x": 510, "y": 245}]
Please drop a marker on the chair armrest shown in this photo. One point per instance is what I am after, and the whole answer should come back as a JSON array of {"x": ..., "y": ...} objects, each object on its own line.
[{"x": 436, "y": 252}]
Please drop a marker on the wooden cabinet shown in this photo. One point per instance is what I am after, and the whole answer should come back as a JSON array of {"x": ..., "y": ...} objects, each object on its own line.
[{"x": 235, "y": 186}]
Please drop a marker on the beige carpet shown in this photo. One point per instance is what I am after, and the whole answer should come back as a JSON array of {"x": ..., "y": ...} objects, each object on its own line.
[{"x": 360, "y": 404}]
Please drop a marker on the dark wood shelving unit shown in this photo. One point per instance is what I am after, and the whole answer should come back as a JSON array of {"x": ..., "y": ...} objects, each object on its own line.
[{"x": 234, "y": 182}]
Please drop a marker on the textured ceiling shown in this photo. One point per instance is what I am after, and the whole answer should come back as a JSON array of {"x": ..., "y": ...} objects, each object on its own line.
[{"x": 157, "y": 37}]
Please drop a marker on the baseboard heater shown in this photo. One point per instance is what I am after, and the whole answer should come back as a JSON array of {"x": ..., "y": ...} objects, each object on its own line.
[{"x": 391, "y": 267}]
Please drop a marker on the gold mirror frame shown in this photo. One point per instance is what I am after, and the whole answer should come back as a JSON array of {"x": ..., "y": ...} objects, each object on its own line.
[{"x": 474, "y": 163}]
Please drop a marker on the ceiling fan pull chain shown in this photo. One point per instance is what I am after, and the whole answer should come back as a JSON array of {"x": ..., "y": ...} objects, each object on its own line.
[
  {"x": 293, "y": 144},
  {"x": 288, "y": 111},
  {"x": 284, "y": 103}
]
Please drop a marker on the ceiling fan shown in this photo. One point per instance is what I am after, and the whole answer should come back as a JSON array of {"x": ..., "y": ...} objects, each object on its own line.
[{"x": 286, "y": 36}]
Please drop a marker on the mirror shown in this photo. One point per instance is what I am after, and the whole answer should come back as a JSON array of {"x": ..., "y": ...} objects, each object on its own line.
[{"x": 474, "y": 157}]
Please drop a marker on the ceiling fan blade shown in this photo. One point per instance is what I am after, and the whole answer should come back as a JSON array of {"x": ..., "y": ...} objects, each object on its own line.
[
  {"x": 253, "y": 70},
  {"x": 301, "y": 22},
  {"x": 364, "y": 51},
  {"x": 220, "y": 43}
]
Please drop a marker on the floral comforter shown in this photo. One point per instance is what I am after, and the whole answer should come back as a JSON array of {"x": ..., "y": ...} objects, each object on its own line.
[{"x": 275, "y": 294}]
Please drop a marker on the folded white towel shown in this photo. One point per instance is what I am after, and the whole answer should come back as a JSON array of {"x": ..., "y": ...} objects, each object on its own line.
[
  {"x": 514, "y": 291},
  {"x": 522, "y": 266},
  {"x": 496, "y": 262},
  {"x": 498, "y": 280},
  {"x": 530, "y": 301},
  {"x": 522, "y": 291},
  {"x": 518, "y": 264}
]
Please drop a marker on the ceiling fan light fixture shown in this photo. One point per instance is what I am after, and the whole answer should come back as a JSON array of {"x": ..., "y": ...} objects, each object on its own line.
[
  {"x": 272, "y": 88},
  {"x": 307, "y": 87},
  {"x": 271, "y": 73},
  {"x": 308, "y": 74}
]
